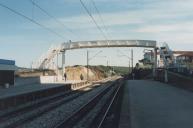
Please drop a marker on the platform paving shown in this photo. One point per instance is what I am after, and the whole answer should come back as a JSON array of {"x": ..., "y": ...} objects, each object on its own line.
[
  {"x": 150, "y": 104},
  {"x": 17, "y": 90},
  {"x": 27, "y": 88}
]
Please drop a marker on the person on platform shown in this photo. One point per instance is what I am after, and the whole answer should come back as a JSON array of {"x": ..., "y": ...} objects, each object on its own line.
[
  {"x": 136, "y": 71},
  {"x": 81, "y": 77},
  {"x": 65, "y": 76}
]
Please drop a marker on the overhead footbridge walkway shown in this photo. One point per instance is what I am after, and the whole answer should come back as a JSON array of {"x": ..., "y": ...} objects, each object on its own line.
[
  {"x": 108, "y": 43},
  {"x": 44, "y": 61}
]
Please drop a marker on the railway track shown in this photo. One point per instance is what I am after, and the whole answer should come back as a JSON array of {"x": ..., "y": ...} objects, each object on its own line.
[
  {"x": 95, "y": 112},
  {"x": 15, "y": 118},
  {"x": 46, "y": 110},
  {"x": 110, "y": 115}
]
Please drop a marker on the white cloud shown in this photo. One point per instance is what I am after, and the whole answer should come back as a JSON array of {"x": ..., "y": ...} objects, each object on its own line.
[
  {"x": 156, "y": 11},
  {"x": 177, "y": 27},
  {"x": 171, "y": 21},
  {"x": 85, "y": 22}
]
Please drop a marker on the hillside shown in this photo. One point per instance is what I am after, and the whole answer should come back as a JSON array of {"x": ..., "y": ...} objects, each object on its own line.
[{"x": 74, "y": 72}]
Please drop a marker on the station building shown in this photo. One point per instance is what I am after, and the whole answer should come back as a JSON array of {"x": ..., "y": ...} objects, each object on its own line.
[
  {"x": 7, "y": 71},
  {"x": 185, "y": 62}
]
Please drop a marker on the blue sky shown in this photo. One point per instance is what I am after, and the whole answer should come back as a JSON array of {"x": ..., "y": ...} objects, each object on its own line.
[{"x": 168, "y": 21}]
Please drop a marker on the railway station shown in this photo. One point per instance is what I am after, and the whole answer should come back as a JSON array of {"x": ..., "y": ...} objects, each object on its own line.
[
  {"x": 96, "y": 64},
  {"x": 140, "y": 98}
]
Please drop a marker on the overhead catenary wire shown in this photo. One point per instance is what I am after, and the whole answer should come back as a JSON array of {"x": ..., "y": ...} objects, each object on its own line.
[
  {"x": 51, "y": 16},
  {"x": 89, "y": 13},
  {"x": 33, "y": 8},
  {"x": 98, "y": 12},
  {"x": 32, "y": 20}
]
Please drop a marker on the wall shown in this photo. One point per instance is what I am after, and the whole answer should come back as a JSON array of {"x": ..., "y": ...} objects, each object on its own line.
[
  {"x": 6, "y": 77},
  {"x": 26, "y": 80}
]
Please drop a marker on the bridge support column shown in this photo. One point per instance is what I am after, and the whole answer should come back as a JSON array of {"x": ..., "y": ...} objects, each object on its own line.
[
  {"x": 155, "y": 63},
  {"x": 165, "y": 75},
  {"x": 63, "y": 63},
  {"x": 57, "y": 67}
]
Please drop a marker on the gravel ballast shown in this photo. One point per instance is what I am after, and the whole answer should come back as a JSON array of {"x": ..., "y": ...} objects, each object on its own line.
[{"x": 52, "y": 118}]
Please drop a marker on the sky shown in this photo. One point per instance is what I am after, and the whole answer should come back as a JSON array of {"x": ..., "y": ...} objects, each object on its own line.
[{"x": 169, "y": 21}]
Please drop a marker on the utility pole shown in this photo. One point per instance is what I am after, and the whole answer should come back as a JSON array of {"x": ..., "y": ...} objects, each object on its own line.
[
  {"x": 31, "y": 66},
  {"x": 129, "y": 67},
  {"x": 107, "y": 69},
  {"x": 155, "y": 64},
  {"x": 132, "y": 58},
  {"x": 166, "y": 71},
  {"x": 87, "y": 65},
  {"x": 57, "y": 67},
  {"x": 88, "y": 59},
  {"x": 63, "y": 63}
]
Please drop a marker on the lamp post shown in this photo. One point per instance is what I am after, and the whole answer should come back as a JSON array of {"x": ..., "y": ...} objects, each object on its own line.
[
  {"x": 132, "y": 58},
  {"x": 88, "y": 59},
  {"x": 57, "y": 67},
  {"x": 87, "y": 64},
  {"x": 129, "y": 58},
  {"x": 106, "y": 63}
]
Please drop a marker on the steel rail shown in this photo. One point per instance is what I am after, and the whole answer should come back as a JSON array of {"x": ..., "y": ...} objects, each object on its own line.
[
  {"x": 66, "y": 122},
  {"x": 110, "y": 105}
]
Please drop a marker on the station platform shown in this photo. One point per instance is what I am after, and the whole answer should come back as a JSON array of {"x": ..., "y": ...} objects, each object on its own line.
[
  {"x": 22, "y": 89},
  {"x": 20, "y": 94},
  {"x": 33, "y": 87},
  {"x": 151, "y": 104}
]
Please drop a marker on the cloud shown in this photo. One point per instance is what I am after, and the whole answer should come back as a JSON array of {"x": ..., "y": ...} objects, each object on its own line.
[
  {"x": 152, "y": 12},
  {"x": 150, "y": 19},
  {"x": 177, "y": 27},
  {"x": 85, "y": 22}
]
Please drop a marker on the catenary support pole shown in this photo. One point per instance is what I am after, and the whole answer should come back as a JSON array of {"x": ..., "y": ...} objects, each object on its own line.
[
  {"x": 87, "y": 65},
  {"x": 166, "y": 75},
  {"x": 57, "y": 67},
  {"x": 132, "y": 59},
  {"x": 155, "y": 63},
  {"x": 63, "y": 63}
]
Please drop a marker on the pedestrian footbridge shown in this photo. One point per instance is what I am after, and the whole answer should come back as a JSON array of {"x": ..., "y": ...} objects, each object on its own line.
[
  {"x": 109, "y": 43},
  {"x": 53, "y": 51}
]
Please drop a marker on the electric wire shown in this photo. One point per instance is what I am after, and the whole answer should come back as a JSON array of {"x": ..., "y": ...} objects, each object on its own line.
[
  {"x": 51, "y": 16},
  {"x": 89, "y": 13},
  {"x": 32, "y": 20},
  {"x": 98, "y": 12}
]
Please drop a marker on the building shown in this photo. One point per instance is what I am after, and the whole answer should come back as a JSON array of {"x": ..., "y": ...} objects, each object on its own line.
[
  {"x": 185, "y": 58},
  {"x": 178, "y": 57},
  {"x": 185, "y": 62},
  {"x": 148, "y": 58},
  {"x": 7, "y": 71}
]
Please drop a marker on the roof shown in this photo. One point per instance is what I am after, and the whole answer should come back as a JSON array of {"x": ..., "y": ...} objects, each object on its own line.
[
  {"x": 149, "y": 53},
  {"x": 183, "y": 52},
  {"x": 180, "y": 52},
  {"x": 7, "y": 65},
  {"x": 186, "y": 54},
  {"x": 7, "y": 62},
  {"x": 4, "y": 67}
]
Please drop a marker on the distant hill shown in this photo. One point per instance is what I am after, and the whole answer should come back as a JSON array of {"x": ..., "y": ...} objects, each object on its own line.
[{"x": 74, "y": 72}]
